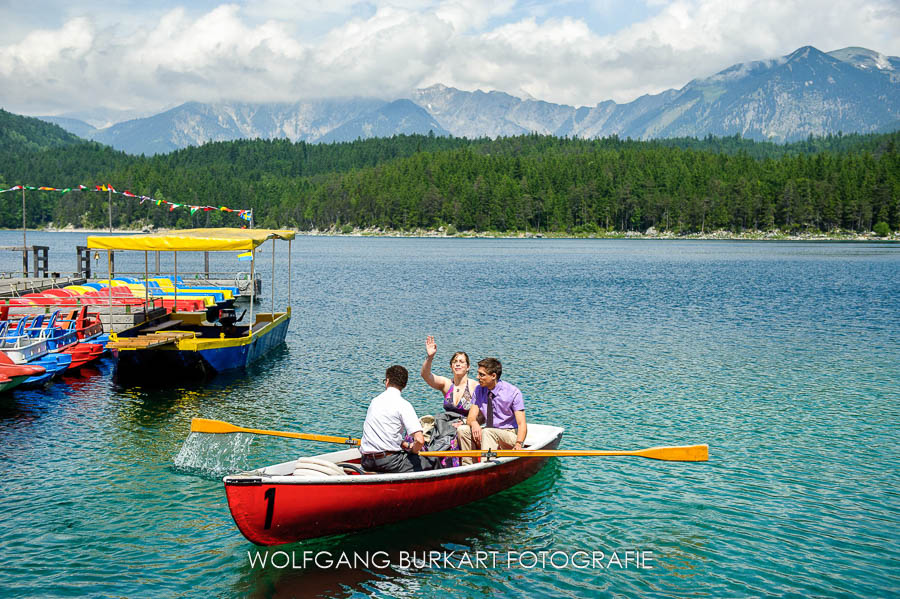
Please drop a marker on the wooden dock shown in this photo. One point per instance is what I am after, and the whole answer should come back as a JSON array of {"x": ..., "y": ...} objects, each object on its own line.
[
  {"x": 18, "y": 286},
  {"x": 155, "y": 339}
]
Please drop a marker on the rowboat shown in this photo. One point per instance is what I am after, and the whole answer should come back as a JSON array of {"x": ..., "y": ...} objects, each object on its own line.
[
  {"x": 187, "y": 344},
  {"x": 331, "y": 494}
]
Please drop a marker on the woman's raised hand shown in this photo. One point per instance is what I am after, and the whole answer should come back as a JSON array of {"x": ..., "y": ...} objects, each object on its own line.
[{"x": 430, "y": 346}]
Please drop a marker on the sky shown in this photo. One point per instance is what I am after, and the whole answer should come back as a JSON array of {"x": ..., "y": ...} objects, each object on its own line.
[{"x": 71, "y": 56}]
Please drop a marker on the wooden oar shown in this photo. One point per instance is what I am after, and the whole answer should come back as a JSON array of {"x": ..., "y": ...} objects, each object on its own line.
[
  {"x": 203, "y": 425},
  {"x": 690, "y": 453}
]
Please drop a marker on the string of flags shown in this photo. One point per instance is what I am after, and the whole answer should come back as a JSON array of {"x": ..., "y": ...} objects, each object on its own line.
[{"x": 244, "y": 214}]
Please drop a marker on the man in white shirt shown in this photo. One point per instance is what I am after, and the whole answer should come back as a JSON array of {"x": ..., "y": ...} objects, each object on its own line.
[{"x": 389, "y": 420}]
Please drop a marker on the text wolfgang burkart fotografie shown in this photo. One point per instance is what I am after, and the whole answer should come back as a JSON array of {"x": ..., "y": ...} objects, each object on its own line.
[{"x": 623, "y": 559}]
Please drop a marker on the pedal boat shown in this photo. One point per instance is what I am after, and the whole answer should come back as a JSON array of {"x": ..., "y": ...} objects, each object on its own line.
[
  {"x": 22, "y": 349},
  {"x": 12, "y": 375},
  {"x": 272, "y": 506}
]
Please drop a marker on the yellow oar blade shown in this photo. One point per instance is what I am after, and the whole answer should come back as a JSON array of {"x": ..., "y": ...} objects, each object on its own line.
[
  {"x": 692, "y": 453},
  {"x": 203, "y": 425}
]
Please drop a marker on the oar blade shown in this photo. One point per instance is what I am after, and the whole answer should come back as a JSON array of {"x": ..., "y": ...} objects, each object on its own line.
[
  {"x": 688, "y": 453},
  {"x": 204, "y": 425},
  {"x": 691, "y": 453}
]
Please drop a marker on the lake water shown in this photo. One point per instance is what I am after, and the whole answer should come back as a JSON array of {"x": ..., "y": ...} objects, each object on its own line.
[{"x": 783, "y": 357}]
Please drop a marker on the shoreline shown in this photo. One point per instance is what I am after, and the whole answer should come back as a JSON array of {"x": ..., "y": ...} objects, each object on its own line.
[{"x": 720, "y": 235}]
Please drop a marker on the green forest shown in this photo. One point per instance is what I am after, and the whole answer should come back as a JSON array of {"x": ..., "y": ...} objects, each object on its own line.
[{"x": 534, "y": 183}]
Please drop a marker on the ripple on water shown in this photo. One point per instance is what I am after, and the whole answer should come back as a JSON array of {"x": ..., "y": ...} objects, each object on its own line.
[{"x": 782, "y": 357}]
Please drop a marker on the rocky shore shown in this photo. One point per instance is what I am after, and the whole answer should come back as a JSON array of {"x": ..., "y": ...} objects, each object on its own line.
[
  {"x": 837, "y": 235},
  {"x": 648, "y": 234}
]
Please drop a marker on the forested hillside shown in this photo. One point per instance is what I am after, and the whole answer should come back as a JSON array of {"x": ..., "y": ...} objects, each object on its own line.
[
  {"x": 24, "y": 133},
  {"x": 532, "y": 182}
]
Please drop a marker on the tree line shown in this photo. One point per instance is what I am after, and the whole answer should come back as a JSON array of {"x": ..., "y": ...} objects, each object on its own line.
[{"x": 521, "y": 183}]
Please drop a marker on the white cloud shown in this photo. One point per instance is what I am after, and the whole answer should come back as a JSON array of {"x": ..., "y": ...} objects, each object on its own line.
[{"x": 265, "y": 51}]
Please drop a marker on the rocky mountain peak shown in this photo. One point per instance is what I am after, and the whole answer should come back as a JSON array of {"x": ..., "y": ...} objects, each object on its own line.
[{"x": 780, "y": 98}]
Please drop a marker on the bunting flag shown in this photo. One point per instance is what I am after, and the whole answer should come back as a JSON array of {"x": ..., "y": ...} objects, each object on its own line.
[
  {"x": 245, "y": 256},
  {"x": 106, "y": 187}
]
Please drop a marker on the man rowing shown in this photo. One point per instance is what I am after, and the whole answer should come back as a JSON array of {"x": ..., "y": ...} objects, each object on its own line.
[{"x": 389, "y": 420}]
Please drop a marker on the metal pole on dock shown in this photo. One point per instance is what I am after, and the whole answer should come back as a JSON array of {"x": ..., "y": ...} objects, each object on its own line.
[
  {"x": 273, "y": 278},
  {"x": 252, "y": 289},
  {"x": 289, "y": 275},
  {"x": 109, "y": 281},
  {"x": 175, "y": 282},
  {"x": 110, "y": 210},
  {"x": 24, "y": 238},
  {"x": 146, "y": 286}
]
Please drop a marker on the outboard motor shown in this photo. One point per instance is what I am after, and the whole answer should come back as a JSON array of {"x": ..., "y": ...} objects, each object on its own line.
[{"x": 227, "y": 317}]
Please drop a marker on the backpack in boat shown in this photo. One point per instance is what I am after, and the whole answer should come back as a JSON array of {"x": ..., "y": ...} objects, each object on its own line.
[{"x": 441, "y": 436}]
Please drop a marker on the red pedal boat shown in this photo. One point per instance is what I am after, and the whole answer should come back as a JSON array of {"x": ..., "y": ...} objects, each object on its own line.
[
  {"x": 12, "y": 375},
  {"x": 272, "y": 505}
]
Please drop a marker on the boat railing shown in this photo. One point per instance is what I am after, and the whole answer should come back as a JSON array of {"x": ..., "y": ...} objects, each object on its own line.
[{"x": 25, "y": 347}]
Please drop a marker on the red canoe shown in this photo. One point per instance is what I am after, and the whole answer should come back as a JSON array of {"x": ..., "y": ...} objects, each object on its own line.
[{"x": 272, "y": 506}]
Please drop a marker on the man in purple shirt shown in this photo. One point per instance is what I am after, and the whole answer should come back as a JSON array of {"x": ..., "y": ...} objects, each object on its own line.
[{"x": 503, "y": 410}]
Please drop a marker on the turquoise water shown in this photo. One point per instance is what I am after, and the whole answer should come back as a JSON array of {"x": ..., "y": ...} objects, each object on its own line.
[{"x": 783, "y": 357}]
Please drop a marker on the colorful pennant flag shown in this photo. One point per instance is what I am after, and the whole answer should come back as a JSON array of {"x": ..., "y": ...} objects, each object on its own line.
[{"x": 106, "y": 187}]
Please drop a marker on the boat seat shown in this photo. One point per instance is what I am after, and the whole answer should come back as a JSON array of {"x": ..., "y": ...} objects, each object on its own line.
[
  {"x": 168, "y": 324},
  {"x": 257, "y": 328},
  {"x": 354, "y": 468}
]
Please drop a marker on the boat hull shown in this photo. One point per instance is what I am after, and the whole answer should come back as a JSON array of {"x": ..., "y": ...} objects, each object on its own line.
[
  {"x": 54, "y": 365},
  {"x": 200, "y": 359},
  {"x": 271, "y": 510}
]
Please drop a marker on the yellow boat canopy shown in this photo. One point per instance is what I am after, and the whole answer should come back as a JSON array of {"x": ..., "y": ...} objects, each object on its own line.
[{"x": 189, "y": 240}]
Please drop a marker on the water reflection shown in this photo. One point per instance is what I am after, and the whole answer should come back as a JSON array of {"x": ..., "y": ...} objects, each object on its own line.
[
  {"x": 26, "y": 405},
  {"x": 518, "y": 517}
]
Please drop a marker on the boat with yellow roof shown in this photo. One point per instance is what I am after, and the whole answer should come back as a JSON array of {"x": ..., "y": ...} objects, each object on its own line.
[{"x": 187, "y": 344}]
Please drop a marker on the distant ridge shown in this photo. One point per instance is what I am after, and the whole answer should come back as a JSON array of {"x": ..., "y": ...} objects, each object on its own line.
[{"x": 787, "y": 98}]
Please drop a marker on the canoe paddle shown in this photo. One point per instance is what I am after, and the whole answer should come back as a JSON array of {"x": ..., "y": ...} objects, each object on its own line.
[
  {"x": 203, "y": 425},
  {"x": 690, "y": 453}
]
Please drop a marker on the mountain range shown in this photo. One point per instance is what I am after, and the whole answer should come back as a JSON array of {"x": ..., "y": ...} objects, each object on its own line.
[{"x": 807, "y": 92}]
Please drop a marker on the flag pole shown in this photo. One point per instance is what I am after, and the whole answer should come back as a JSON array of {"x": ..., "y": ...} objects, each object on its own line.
[{"x": 24, "y": 238}]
